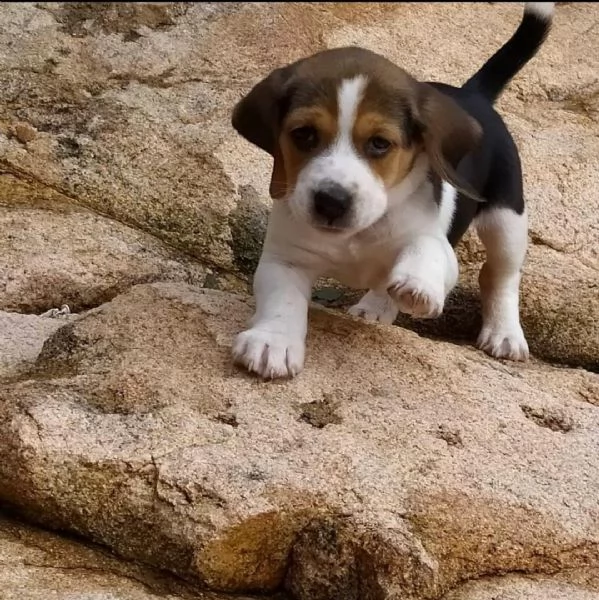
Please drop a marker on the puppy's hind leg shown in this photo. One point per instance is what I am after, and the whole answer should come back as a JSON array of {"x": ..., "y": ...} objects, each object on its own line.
[{"x": 504, "y": 234}]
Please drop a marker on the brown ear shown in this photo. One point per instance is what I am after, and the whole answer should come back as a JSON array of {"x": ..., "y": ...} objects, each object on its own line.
[
  {"x": 257, "y": 117},
  {"x": 448, "y": 133}
]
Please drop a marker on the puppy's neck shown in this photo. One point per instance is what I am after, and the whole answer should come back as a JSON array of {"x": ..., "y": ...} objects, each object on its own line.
[
  {"x": 410, "y": 204},
  {"x": 412, "y": 183}
]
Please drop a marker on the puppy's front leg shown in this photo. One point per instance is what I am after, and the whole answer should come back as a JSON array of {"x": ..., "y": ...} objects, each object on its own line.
[
  {"x": 425, "y": 272},
  {"x": 274, "y": 345}
]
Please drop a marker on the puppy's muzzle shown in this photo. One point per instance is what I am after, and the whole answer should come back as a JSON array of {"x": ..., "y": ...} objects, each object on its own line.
[{"x": 331, "y": 204}]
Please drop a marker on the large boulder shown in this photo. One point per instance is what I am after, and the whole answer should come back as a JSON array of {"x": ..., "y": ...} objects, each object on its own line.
[
  {"x": 393, "y": 467},
  {"x": 37, "y": 565},
  {"x": 53, "y": 253}
]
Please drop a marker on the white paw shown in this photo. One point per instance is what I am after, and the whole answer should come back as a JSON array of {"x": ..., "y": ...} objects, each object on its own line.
[
  {"x": 270, "y": 355},
  {"x": 503, "y": 342},
  {"x": 375, "y": 307},
  {"x": 416, "y": 296}
]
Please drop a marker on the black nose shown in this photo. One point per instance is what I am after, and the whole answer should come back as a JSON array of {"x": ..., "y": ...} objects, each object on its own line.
[{"x": 332, "y": 202}]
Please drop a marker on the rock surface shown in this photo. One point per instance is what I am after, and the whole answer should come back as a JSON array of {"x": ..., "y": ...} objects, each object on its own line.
[
  {"x": 36, "y": 565},
  {"x": 408, "y": 473},
  {"x": 125, "y": 108},
  {"x": 66, "y": 255},
  {"x": 395, "y": 467},
  {"x": 527, "y": 588},
  {"x": 21, "y": 340}
]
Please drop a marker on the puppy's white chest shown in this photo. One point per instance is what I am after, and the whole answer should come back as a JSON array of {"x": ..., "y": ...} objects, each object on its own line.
[
  {"x": 362, "y": 264},
  {"x": 360, "y": 260}
]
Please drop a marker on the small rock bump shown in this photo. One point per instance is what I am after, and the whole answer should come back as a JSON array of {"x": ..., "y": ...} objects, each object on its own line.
[
  {"x": 320, "y": 414},
  {"x": 24, "y": 132},
  {"x": 453, "y": 437},
  {"x": 228, "y": 419},
  {"x": 555, "y": 420}
]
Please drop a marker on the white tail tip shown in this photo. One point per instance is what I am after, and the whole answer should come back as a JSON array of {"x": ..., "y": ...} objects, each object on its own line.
[{"x": 543, "y": 10}]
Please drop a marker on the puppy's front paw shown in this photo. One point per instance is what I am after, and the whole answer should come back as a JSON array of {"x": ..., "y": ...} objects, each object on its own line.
[
  {"x": 270, "y": 355},
  {"x": 375, "y": 307},
  {"x": 416, "y": 296},
  {"x": 503, "y": 342}
]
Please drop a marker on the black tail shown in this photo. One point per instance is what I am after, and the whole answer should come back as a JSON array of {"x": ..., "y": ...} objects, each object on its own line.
[{"x": 500, "y": 69}]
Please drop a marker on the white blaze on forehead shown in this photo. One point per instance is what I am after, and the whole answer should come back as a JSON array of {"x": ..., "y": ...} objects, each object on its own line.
[{"x": 349, "y": 96}]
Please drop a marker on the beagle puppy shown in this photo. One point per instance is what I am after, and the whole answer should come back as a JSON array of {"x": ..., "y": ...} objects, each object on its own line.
[{"x": 376, "y": 177}]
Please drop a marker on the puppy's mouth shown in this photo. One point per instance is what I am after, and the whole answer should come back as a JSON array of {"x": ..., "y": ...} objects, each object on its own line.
[{"x": 331, "y": 228}]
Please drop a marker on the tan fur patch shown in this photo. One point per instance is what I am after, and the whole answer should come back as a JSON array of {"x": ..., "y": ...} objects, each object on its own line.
[{"x": 393, "y": 167}]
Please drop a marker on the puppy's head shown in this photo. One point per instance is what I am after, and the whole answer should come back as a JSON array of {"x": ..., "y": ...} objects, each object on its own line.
[{"x": 344, "y": 127}]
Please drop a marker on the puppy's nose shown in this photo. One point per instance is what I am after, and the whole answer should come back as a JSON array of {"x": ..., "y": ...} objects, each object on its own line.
[{"x": 332, "y": 202}]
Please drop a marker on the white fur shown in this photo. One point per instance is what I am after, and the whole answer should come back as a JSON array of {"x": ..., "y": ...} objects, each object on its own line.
[
  {"x": 405, "y": 251},
  {"x": 544, "y": 10},
  {"x": 349, "y": 96},
  {"x": 394, "y": 244},
  {"x": 504, "y": 234},
  {"x": 425, "y": 268},
  {"x": 447, "y": 206},
  {"x": 405, "y": 261},
  {"x": 376, "y": 306},
  {"x": 274, "y": 346},
  {"x": 425, "y": 273},
  {"x": 340, "y": 163}
]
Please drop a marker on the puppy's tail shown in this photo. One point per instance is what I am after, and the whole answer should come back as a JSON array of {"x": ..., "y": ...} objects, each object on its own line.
[{"x": 500, "y": 69}]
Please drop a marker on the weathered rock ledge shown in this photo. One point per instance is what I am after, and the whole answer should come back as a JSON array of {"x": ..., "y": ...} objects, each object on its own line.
[{"x": 403, "y": 465}]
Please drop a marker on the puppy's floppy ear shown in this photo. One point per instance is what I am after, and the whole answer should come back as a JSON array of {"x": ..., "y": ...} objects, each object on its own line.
[
  {"x": 448, "y": 133},
  {"x": 257, "y": 117}
]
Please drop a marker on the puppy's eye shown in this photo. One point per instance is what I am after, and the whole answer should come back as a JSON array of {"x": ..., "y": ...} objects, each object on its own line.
[
  {"x": 305, "y": 138},
  {"x": 377, "y": 146}
]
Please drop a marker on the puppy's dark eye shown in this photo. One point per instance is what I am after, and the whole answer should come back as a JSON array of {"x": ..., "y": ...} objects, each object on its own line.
[
  {"x": 305, "y": 138},
  {"x": 377, "y": 146}
]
